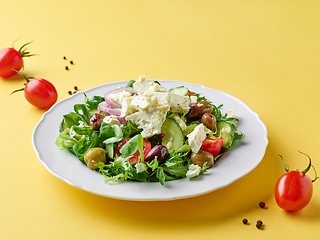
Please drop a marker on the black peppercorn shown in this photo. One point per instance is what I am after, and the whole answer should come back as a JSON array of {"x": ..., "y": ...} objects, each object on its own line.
[
  {"x": 244, "y": 221},
  {"x": 70, "y": 93},
  {"x": 262, "y": 204},
  {"x": 75, "y": 88},
  {"x": 67, "y": 68},
  {"x": 71, "y": 62},
  {"x": 259, "y": 224},
  {"x": 64, "y": 58}
]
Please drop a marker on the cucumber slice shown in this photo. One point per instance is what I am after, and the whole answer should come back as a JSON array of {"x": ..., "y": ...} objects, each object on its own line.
[
  {"x": 174, "y": 137},
  {"x": 226, "y": 132},
  {"x": 180, "y": 90}
]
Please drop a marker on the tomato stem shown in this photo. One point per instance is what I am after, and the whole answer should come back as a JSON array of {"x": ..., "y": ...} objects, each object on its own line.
[
  {"x": 286, "y": 168},
  {"x": 316, "y": 176},
  {"x": 26, "y": 78},
  {"x": 308, "y": 168},
  {"x": 23, "y": 51}
]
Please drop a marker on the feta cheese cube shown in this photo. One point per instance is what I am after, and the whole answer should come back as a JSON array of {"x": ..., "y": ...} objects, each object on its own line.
[
  {"x": 119, "y": 97},
  {"x": 150, "y": 120},
  {"x": 193, "y": 99},
  {"x": 155, "y": 87},
  {"x": 196, "y": 137},
  {"x": 193, "y": 171},
  {"x": 111, "y": 120},
  {"x": 231, "y": 113},
  {"x": 141, "y": 102},
  {"x": 179, "y": 103},
  {"x": 141, "y": 85},
  {"x": 127, "y": 107},
  {"x": 141, "y": 167},
  {"x": 157, "y": 99}
]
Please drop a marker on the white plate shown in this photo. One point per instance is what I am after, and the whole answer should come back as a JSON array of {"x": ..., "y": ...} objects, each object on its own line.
[{"x": 238, "y": 162}]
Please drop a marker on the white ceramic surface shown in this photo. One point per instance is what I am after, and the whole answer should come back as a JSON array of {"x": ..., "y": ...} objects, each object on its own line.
[{"x": 236, "y": 163}]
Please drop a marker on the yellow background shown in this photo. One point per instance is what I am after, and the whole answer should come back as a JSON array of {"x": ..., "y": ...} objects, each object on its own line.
[{"x": 265, "y": 53}]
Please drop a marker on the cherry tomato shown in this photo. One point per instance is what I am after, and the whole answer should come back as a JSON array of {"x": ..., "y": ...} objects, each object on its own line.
[
  {"x": 191, "y": 93},
  {"x": 11, "y": 61},
  {"x": 212, "y": 146},
  {"x": 39, "y": 92},
  {"x": 293, "y": 190},
  {"x": 135, "y": 156}
]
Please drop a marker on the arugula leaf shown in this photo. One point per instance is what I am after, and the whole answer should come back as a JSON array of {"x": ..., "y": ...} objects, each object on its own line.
[
  {"x": 92, "y": 104},
  {"x": 106, "y": 131},
  {"x": 69, "y": 120},
  {"x": 83, "y": 112},
  {"x": 84, "y": 144},
  {"x": 177, "y": 170},
  {"x": 130, "y": 83},
  {"x": 64, "y": 140},
  {"x": 129, "y": 129},
  {"x": 238, "y": 136},
  {"x": 201, "y": 98},
  {"x": 117, "y": 135},
  {"x": 160, "y": 175},
  {"x": 153, "y": 164},
  {"x": 82, "y": 130},
  {"x": 134, "y": 144},
  {"x": 141, "y": 176},
  {"x": 109, "y": 150}
]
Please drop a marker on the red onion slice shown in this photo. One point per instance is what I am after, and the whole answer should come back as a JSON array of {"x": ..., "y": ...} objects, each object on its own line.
[
  {"x": 122, "y": 119},
  {"x": 121, "y": 89},
  {"x": 103, "y": 106},
  {"x": 112, "y": 104}
]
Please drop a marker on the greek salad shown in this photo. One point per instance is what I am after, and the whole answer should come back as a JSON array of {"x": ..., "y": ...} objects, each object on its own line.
[{"x": 144, "y": 132}]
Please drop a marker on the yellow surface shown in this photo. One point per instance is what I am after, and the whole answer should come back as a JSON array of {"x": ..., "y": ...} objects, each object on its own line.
[{"x": 266, "y": 53}]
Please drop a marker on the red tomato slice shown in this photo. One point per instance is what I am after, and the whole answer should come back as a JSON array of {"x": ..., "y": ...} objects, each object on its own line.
[
  {"x": 212, "y": 145},
  {"x": 135, "y": 156},
  {"x": 191, "y": 93}
]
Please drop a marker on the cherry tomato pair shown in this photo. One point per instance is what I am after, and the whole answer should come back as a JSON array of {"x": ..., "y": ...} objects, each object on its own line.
[
  {"x": 39, "y": 92},
  {"x": 293, "y": 190}
]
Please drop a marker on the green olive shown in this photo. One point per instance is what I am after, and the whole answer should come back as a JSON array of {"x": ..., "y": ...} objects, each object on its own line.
[
  {"x": 209, "y": 120},
  {"x": 94, "y": 156},
  {"x": 201, "y": 157}
]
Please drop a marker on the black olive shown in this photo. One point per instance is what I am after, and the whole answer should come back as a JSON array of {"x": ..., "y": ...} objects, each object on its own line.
[{"x": 159, "y": 151}]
